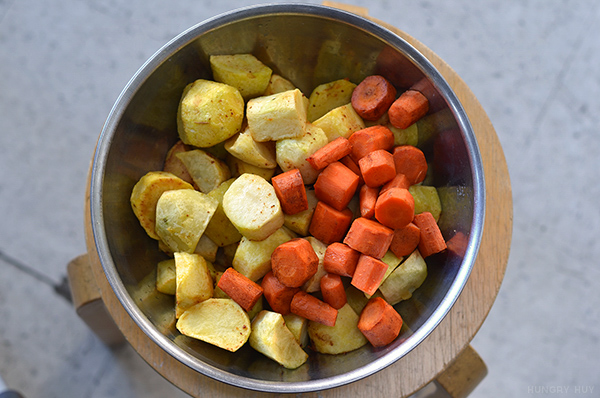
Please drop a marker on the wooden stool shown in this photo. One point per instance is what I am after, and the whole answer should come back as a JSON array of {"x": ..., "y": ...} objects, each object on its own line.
[{"x": 444, "y": 358}]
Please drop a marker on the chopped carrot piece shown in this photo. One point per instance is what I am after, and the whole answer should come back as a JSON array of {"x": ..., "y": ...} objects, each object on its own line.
[
  {"x": 399, "y": 181},
  {"x": 395, "y": 208},
  {"x": 369, "y": 237},
  {"x": 278, "y": 295},
  {"x": 408, "y": 109},
  {"x": 405, "y": 240},
  {"x": 372, "y": 97},
  {"x": 379, "y": 322},
  {"x": 294, "y": 262},
  {"x": 328, "y": 224},
  {"x": 369, "y": 274},
  {"x": 336, "y": 185},
  {"x": 332, "y": 152},
  {"x": 352, "y": 165},
  {"x": 311, "y": 308},
  {"x": 457, "y": 244},
  {"x": 425, "y": 87},
  {"x": 431, "y": 240},
  {"x": 367, "y": 198},
  {"x": 332, "y": 289},
  {"x": 370, "y": 139},
  {"x": 340, "y": 259},
  {"x": 290, "y": 190},
  {"x": 377, "y": 168},
  {"x": 410, "y": 161},
  {"x": 240, "y": 288}
]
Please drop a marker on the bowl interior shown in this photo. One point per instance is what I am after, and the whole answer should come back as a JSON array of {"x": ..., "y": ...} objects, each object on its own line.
[{"x": 309, "y": 45}]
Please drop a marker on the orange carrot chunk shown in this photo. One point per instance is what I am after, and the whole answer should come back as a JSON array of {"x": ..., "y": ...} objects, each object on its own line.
[
  {"x": 395, "y": 208},
  {"x": 431, "y": 240},
  {"x": 277, "y": 294},
  {"x": 328, "y": 224},
  {"x": 377, "y": 168},
  {"x": 313, "y": 309},
  {"x": 369, "y": 237},
  {"x": 369, "y": 274},
  {"x": 332, "y": 152},
  {"x": 294, "y": 262},
  {"x": 352, "y": 165},
  {"x": 370, "y": 139},
  {"x": 408, "y": 109},
  {"x": 372, "y": 97},
  {"x": 340, "y": 259},
  {"x": 399, "y": 181},
  {"x": 379, "y": 322},
  {"x": 405, "y": 240},
  {"x": 410, "y": 161},
  {"x": 241, "y": 289},
  {"x": 290, "y": 190},
  {"x": 367, "y": 198},
  {"x": 332, "y": 289},
  {"x": 336, "y": 185}
]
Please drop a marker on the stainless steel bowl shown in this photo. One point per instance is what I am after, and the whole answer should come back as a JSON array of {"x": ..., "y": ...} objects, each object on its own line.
[{"x": 309, "y": 45}]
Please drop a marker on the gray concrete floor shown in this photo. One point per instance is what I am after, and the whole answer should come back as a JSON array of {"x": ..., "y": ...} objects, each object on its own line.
[{"x": 532, "y": 64}]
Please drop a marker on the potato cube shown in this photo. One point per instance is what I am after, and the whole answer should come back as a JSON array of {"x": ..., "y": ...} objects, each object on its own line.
[
  {"x": 193, "y": 281},
  {"x": 165, "y": 277},
  {"x": 407, "y": 136},
  {"x": 181, "y": 218},
  {"x": 300, "y": 222},
  {"x": 273, "y": 339},
  {"x": 239, "y": 167},
  {"x": 253, "y": 258},
  {"x": 220, "y": 230},
  {"x": 174, "y": 165},
  {"x": 242, "y": 71},
  {"x": 217, "y": 321},
  {"x": 278, "y": 84},
  {"x": 426, "y": 199},
  {"x": 405, "y": 279},
  {"x": 253, "y": 207},
  {"x": 292, "y": 152},
  {"x": 207, "y": 171},
  {"x": 340, "y": 122},
  {"x": 343, "y": 337},
  {"x": 209, "y": 113},
  {"x": 299, "y": 328},
  {"x": 328, "y": 96},
  {"x": 277, "y": 116},
  {"x": 206, "y": 247},
  {"x": 244, "y": 147},
  {"x": 145, "y": 195}
]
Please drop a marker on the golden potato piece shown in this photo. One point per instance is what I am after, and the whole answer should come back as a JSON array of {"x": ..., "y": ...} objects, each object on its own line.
[
  {"x": 206, "y": 247},
  {"x": 328, "y": 96},
  {"x": 239, "y": 167},
  {"x": 426, "y": 199},
  {"x": 343, "y": 337},
  {"x": 273, "y": 339},
  {"x": 299, "y": 328},
  {"x": 277, "y": 116},
  {"x": 405, "y": 279},
  {"x": 174, "y": 165},
  {"x": 407, "y": 136},
  {"x": 278, "y": 84},
  {"x": 340, "y": 122},
  {"x": 291, "y": 153},
  {"x": 193, "y": 281},
  {"x": 220, "y": 230},
  {"x": 165, "y": 277},
  {"x": 252, "y": 206},
  {"x": 242, "y": 71},
  {"x": 181, "y": 218},
  {"x": 244, "y": 147},
  {"x": 207, "y": 171},
  {"x": 209, "y": 113},
  {"x": 145, "y": 194},
  {"x": 217, "y": 321},
  {"x": 314, "y": 283}
]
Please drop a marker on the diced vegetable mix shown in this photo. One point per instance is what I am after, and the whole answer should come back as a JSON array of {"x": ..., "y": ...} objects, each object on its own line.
[{"x": 309, "y": 230}]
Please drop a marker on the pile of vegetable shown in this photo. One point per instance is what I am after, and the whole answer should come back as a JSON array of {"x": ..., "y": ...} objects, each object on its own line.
[{"x": 291, "y": 223}]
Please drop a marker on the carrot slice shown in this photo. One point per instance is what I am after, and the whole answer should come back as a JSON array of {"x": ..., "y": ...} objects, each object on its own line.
[
  {"x": 240, "y": 288},
  {"x": 332, "y": 289},
  {"x": 395, "y": 208},
  {"x": 399, "y": 181},
  {"x": 410, "y": 161},
  {"x": 405, "y": 240},
  {"x": 379, "y": 322},
  {"x": 311, "y": 308},
  {"x": 278, "y": 295},
  {"x": 370, "y": 139},
  {"x": 367, "y": 198},
  {"x": 328, "y": 224},
  {"x": 369, "y": 237},
  {"x": 377, "y": 168},
  {"x": 336, "y": 185},
  {"x": 340, "y": 259},
  {"x": 332, "y": 152},
  {"x": 431, "y": 240},
  {"x": 290, "y": 190},
  {"x": 369, "y": 274},
  {"x": 294, "y": 262},
  {"x": 352, "y": 165},
  {"x": 372, "y": 97},
  {"x": 408, "y": 109}
]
